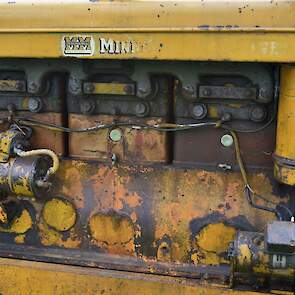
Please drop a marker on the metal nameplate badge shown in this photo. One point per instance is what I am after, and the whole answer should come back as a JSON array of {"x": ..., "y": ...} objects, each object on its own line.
[{"x": 88, "y": 46}]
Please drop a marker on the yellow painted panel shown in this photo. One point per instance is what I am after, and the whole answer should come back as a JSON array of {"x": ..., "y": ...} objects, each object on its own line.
[
  {"x": 221, "y": 46},
  {"x": 28, "y": 15},
  {"x": 32, "y": 278}
]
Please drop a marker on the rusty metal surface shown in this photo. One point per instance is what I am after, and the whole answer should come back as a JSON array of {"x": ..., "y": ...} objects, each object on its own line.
[
  {"x": 132, "y": 198},
  {"x": 144, "y": 209},
  {"x": 203, "y": 147},
  {"x": 227, "y": 92},
  {"x": 134, "y": 146},
  {"x": 43, "y": 138}
]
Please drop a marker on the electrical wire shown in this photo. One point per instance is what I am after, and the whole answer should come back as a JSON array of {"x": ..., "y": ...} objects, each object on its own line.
[
  {"x": 162, "y": 127},
  {"x": 256, "y": 130},
  {"x": 171, "y": 127},
  {"x": 249, "y": 192}
]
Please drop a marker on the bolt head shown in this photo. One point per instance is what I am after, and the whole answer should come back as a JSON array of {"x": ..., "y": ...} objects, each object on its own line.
[
  {"x": 257, "y": 113},
  {"x": 87, "y": 106},
  {"x": 33, "y": 87},
  {"x": 141, "y": 109},
  {"x": 35, "y": 104},
  {"x": 199, "y": 111},
  {"x": 89, "y": 88},
  {"x": 129, "y": 89}
]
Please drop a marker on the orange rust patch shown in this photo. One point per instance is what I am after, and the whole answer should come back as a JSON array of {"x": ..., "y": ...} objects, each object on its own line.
[
  {"x": 182, "y": 196},
  {"x": 115, "y": 191},
  {"x": 20, "y": 239},
  {"x": 171, "y": 200},
  {"x": 73, "y": 187}
]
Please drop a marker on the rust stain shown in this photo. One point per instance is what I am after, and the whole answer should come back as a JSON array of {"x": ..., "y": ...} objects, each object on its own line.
[
  {"x": 114, "y": 188},
  {"x": 157, "y": 202},
  {"x": 47, "y": 138},
  {"x": 20, "y": 239},
  {"x": 140, "y": 146},
  {"x": 72, "y": 180},
  {"x": 185, "y": 195}
]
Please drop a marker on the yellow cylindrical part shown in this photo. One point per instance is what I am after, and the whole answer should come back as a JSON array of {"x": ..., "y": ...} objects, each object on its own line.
[{"x": 284, "y": 168}]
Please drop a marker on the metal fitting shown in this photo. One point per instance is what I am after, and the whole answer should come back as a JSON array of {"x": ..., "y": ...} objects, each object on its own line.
[
  {"x": 199, "y": 111},
  {"x": 35, "y": 104}
]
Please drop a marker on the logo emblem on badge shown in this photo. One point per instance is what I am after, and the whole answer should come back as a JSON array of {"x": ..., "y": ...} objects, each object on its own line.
[{"x": 78, "y": 45}]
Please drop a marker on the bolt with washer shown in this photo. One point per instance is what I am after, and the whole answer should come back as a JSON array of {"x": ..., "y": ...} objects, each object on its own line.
[
  {"x": 199, "y": 111},
  {"x": 35, "y": 104}
]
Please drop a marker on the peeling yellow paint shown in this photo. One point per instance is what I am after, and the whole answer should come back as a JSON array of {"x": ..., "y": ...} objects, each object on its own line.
[
  {"x": 3, "y": 215},
  {"x": 20, "y": 225},
  {"x": 211, "y": 242},
  {"x": 59, "y": 214},
  {"x": 35, "y": 278},
  {"x": 112, "y": 231},
  {"x": 20, "y": 239},
  {"x": 51, "y": 237}
]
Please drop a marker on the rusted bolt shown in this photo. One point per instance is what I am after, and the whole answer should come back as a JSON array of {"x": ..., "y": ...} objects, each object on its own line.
[
  {"x": 188, "y": 91},
  {"x": 35, "y": 104},
  {"x": 141, "y": 109},
  {"x": 128, "y": 89},
  {"x": 142, "y": 92},
  {"x": 33, "y": 87},
  {"x": 226, "y": 117},
  {"x": 19, "y": 86},
  {"x": 11, "y": 108},
  {"x": 89, "y": 87},
  {"x": 87, "y": 106},
  {"x": 199, "y": 111},
  {"x": 264, "y": 93},
  {"x": 257, "y": 113},
  {"x": 74, "y": 86}
]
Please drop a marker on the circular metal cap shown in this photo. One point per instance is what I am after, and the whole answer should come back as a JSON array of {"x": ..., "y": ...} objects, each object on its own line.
[
  {"x": 116, "y": 134},
  {"x": 227, "y": 140}
]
